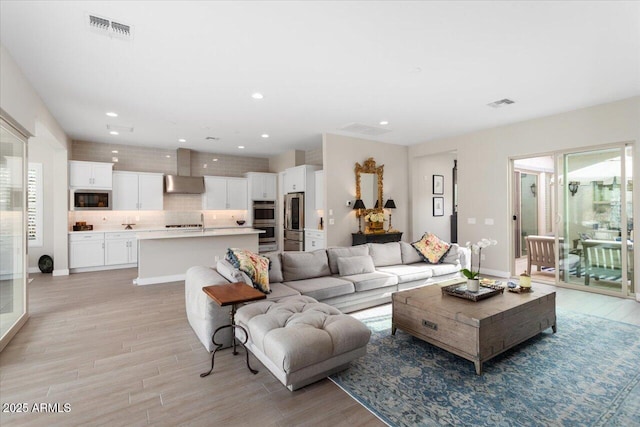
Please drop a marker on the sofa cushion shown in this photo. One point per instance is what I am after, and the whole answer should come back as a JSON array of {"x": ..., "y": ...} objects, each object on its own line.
[
  {"x": 375, "y": 280},
  {"x": 254, "y": 265},
  {"x": 335, "y": 253},
  {"x": 348, "y": 266},
  {"x": 305, "y": 265},
  {"x": 384, "y": 254},
  {"x": 432, "y": 248},
  {"x": 279, "y": 291},
  {"x": 409, "y": 273},
  {"x": 410, "y": 255},
  {"x": 231, "y": 273},
  {"x": 322, "y": 288},
  {"x": 453, "y": 256},
  {"x": 442, "y": 269},
  {"x": 299, "y": 332},
  {"x": 275, "y": 267}
]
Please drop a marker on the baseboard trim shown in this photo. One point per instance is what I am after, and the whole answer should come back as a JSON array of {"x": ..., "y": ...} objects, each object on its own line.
[
  {"x": 61, "y": 272},
  {"x": 159, "y": 279},
  {"x": 496, "y": 273}
]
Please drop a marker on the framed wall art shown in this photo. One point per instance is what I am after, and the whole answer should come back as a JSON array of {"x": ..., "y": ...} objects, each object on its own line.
[
  {"x": 438, "y": 184},
  {"x": 438, "y": 206}
]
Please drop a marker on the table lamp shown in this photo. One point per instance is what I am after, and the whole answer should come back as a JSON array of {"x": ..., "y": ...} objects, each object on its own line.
[
  {"x": 390, "y": 204},
  {"x": 359, "y": 205}
]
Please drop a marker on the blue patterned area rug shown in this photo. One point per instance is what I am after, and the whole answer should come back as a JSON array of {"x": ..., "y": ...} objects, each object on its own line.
[{"x": 587, "y": 374}]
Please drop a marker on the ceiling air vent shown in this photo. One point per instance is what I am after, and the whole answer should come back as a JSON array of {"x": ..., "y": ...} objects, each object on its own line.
[
  {"x": 365, "y": 129},
  {"x": 109, "y": 27},
  {"x": 501, "y": 103}
]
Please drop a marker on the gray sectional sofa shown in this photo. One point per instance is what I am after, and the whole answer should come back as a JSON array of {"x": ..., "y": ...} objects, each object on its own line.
[{"x": 347, "y": 278}]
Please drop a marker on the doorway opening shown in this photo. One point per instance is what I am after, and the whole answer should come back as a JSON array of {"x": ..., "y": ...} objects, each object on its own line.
[{"x": 573, "y": 219}]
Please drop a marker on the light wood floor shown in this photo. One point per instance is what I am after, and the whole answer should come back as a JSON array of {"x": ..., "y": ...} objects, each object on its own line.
[{"x": 120, "y": 354}]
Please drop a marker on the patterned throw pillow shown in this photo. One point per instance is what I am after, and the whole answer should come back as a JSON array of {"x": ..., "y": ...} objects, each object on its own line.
[
  {"x": 431, "y": 248},
  {"x": 253, "y": 265}
]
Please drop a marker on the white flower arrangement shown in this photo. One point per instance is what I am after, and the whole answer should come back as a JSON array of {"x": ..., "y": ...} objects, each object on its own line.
[
  {"x": 476, "y": 248},
  {"x": 374, "y": 217}
]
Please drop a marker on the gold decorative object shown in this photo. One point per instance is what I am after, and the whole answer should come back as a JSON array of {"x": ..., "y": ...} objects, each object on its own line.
[{"x": 370, "y": 167}]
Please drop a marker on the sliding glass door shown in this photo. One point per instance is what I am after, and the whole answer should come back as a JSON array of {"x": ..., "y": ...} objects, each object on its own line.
[
  {"x": 595, "y": 235},
  {"x": 12, "y": 231}
]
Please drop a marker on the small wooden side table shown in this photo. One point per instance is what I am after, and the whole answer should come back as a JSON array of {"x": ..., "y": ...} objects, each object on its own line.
[{"x": 231, "y": 294}]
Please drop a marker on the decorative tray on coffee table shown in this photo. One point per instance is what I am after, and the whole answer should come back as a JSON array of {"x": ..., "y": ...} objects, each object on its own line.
[{"x": 460, "y": 290}]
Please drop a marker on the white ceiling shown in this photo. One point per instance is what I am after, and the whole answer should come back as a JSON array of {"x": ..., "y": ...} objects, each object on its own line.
[{"x": 429, "y": 68}]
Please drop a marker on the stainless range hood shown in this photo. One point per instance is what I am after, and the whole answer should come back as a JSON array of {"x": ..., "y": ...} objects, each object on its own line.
[{"x": 183, "y": 182}]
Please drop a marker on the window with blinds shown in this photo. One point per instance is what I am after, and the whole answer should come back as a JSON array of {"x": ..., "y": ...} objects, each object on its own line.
[{"x": 34, "y": 204}]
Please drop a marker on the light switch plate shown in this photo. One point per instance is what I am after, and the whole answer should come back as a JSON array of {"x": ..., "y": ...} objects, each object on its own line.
[
  {"x": 330, "y": 212},
  {"x": 471, "y": 220},
  {"x": 332, "y": 221},
  {"x": 488, "y": 221}
]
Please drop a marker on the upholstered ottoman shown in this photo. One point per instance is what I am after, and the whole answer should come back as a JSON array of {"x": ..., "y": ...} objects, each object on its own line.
[{"x": 301, "y": 340}]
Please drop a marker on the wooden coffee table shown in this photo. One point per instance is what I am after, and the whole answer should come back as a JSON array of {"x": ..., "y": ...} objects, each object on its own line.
[{"x": 477, "y": 330}]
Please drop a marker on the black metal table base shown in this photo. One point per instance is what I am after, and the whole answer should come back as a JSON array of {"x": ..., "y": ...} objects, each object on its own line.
[{"x": 233, "y": 337}]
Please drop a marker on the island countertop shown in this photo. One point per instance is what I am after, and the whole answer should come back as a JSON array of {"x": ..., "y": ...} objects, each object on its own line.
[{"x": 179, "y": 234}]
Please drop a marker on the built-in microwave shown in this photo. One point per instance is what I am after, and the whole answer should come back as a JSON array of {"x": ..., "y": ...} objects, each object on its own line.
[{"x": 85, "y": 200}]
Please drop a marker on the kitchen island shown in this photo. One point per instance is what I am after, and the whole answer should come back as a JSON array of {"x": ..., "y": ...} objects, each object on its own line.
[{"x": 165, "y": 256}]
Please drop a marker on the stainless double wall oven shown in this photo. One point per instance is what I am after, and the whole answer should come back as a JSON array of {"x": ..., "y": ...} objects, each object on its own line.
[{"x": 264, "y": 218}]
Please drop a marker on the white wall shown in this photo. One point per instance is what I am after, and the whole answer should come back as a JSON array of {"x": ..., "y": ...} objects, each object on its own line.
[
  {"x": 340, "y": 154},
  {"x": 483, "y": 165},
  {"x": 20, "y": 101},
  {"x": 422, "y": 218}
]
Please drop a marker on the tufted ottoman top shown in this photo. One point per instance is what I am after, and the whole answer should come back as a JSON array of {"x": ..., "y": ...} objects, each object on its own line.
[{"x": 298, "y": 331}]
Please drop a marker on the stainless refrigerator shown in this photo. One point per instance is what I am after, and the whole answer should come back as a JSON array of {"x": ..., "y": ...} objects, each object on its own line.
[{"x": 294, "y": 222}]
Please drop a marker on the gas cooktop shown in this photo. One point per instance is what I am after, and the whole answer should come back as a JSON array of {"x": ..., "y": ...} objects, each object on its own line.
[{"x": 183, "y": 226}]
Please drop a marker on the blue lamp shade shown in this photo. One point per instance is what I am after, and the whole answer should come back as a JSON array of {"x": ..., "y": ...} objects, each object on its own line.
[{"x": 390, "y": 204}]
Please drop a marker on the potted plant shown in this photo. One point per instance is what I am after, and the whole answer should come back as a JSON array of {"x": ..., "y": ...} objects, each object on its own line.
[{"x": 473, "y": 280}]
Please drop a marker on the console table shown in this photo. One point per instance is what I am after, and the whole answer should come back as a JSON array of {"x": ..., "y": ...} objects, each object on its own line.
[{"x": 361, "y": 239}]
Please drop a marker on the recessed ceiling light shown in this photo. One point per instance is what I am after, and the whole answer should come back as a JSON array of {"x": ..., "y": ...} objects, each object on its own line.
[
  {"x": 257, "y": 95},
  {"x": 182, "y": 140},
  {"x": 215, "y": 160},
  {"x": 114, "y": 151},
  {"x": 114, "y": 159},
  {"x": 384, "y": 122},
  {"x": 114, "y": 132},
  {"x": 205, "y": 166},
  {"x": 112, "y": 114},
  {"x": 168, "y": 156},
  {"x": 241, "y": 147},
  {"x": 265, "y": 135}
]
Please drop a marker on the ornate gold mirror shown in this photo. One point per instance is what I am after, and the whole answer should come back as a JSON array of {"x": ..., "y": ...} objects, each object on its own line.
[{"x": 369, "y": 184}]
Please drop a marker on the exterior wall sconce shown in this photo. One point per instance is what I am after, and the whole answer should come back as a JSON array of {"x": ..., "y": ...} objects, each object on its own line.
[{"x": 573, "y": 187}]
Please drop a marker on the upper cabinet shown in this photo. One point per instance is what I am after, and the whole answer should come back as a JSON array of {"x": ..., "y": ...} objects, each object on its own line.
[
  {"x": 137, "y": 191},
  {"x": 299, "y": 178},
  {"x": 262, "y": 186},
  {"x": 90, "y": 174},
  {"x": 224, "y": 193}
]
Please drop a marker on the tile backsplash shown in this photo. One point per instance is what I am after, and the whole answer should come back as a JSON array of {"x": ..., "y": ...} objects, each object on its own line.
[{"x": 114, "y": 220}]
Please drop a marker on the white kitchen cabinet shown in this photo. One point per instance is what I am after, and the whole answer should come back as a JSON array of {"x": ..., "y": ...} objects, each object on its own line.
[
  {"x": 319, "y": 183},
  {"x": 120, "y": 248},
  {"x": 90, "y": 174},
  {"x": 313, "y": 240},
  {"x": 262, "y": 186},
  {"x": 86, "y": 250},
  {"x": 299, "y": 179},
  {"x": 224, "y": 193},
  {"x": 137, "y": 191}
]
